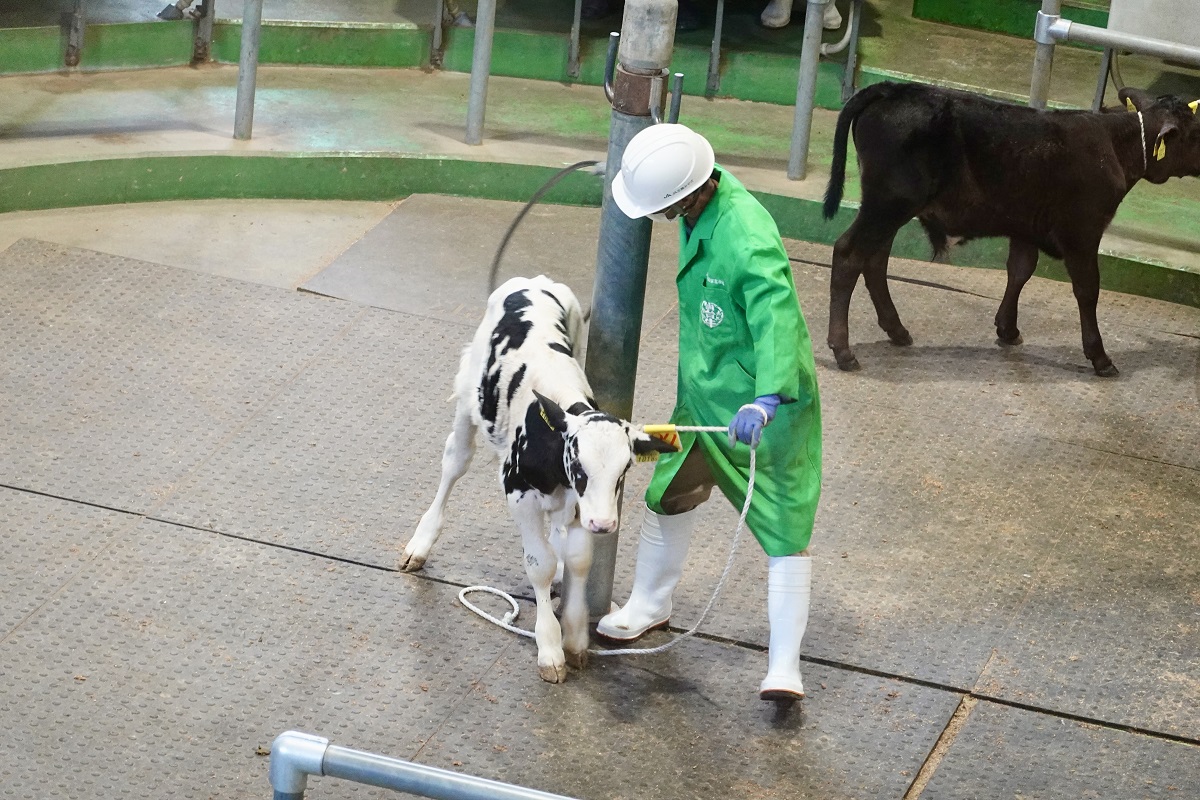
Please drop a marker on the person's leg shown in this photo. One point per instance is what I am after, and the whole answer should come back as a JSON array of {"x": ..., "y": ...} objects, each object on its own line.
[
  {"x": 789, "y": 585},
  {"x": 778, "y": 14},
  {"x": 662, "y": 549}
]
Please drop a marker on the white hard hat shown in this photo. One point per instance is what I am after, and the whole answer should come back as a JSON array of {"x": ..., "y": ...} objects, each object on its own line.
[{"x": 662, "y": 165}]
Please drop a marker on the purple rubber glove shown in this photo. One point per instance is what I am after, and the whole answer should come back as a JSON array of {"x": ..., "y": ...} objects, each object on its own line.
[{"x": 747, "y": 425}]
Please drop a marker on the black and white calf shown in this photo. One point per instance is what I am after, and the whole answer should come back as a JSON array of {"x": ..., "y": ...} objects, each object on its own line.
[{"x": 520, "y": 384}]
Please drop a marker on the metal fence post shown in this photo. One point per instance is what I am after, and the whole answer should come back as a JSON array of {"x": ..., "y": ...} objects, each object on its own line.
[
  {"x": 481, "y": 66},
  {"x": 806, "y": 88},
  {"x": 623, "y": 254},
  {"x": 243, "y": 120}
]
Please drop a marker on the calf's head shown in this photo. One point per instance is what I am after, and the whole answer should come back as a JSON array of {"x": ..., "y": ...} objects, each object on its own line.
[
  {"x": 598, "y": 449},
  {"x": 1172, "y": 133}
]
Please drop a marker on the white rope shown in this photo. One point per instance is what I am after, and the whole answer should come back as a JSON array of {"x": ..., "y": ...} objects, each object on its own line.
[
  {"x": 508, "y": 618},
  {"x": 1142, "y": 128},
  {"x": 512, "y": 615}
]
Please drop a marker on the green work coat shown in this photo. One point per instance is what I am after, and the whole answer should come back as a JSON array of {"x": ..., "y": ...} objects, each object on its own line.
[{"x": 741, "y": 336}]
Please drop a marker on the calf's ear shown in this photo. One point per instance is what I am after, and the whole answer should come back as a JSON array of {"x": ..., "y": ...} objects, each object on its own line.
[
  {"x": 552, "y": 413},
  {"x": 1135, "y": 99},
  {"x": 1160, "y": 144},
  {"x": 645, "y": 444}
]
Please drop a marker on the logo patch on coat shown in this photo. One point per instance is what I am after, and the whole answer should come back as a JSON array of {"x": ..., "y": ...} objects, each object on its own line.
[{"x": 711, "y": 314}]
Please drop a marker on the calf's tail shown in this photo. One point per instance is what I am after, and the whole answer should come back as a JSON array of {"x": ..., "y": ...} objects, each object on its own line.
[{"x": 837, "y": 169}]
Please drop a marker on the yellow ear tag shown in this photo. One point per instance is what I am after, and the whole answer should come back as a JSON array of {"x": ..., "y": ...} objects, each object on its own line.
[
  {"x": 664, "y": 433},
  {"x": 1160, "y": 151},
  {"x": 1194, "y": 106},
  {"x": 545, "y": 417},
  {"x": 1129, "y": 104}
]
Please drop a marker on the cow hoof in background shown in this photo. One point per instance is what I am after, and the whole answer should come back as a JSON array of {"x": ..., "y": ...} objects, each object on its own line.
[
  {"x": 553, "y": 673},
  {"x": 846, "y": 361},
  {"x": 901, "y": 337},
  {"x": 1109, "y": 371},
  {"x": 1010, "y": 342}
]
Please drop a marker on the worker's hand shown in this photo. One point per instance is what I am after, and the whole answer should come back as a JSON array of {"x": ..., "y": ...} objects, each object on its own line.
[{"x": 748, "y": 423}]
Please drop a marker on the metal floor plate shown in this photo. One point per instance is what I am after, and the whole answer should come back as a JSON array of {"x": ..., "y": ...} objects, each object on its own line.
[
  {"x": 994, "y": 521},
  {"x": 688, "y": 724},
  {"x": 183, "y": 654},
  {"x": 1008, "y": 752},
  {"x": 121, "y": 376},
  {"x": 432, "y": 255}
]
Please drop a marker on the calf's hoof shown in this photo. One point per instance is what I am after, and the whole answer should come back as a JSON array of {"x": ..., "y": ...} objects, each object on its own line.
[
  {"x": 1109, "y": 371},
  {"x": 847, "y": 363},
  {"x": 410, "y": 562},
  {"x": 1009, "y": 341},
  {"x": 900, "y": 337},
  {"x": 577, "y": 660},
  {"x": 553, "y": 673}
]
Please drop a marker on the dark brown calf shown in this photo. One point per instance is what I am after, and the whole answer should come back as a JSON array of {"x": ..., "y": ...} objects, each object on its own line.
[{"x": 969, "y": 166}]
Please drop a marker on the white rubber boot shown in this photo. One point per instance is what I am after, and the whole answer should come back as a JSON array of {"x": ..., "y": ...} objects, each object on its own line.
[
  {"x": 662, "y": 549},
  {"x": 832, "y": 19},
  {"x": 777, "y": 15},
  {"x": 789, "y": 584}
]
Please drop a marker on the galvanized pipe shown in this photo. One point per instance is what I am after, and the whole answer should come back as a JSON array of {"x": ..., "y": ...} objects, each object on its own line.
[
  {"x": 623, "y": 253},
  {"x": 1043, "y": 59},
  {"x": 1064, "y": 30},
  {"x": 481, "y": 67},
  {"x": 75, "y": 36},
  {"x": 202, "y": 43},
  {"x": 1102, "y": 79},
  {"x": 852, "y": 55},
  {"x": 295, "y": 756},
  {"x": 806, "y": 89},
  {"x": 435, "y": 44},
  {"x": 714, "y": 54},
  {"x": 243, "y": 120},
  {"x": 573, "y": 50}
]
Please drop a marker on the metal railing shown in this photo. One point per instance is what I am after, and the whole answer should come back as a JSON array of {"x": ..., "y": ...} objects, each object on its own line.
[
  {"x": 296, "y": 755},
  {"x": 1052, "y": 28}
]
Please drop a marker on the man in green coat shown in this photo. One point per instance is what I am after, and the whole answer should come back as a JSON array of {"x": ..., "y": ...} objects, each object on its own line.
[{"x": 745, "y": 360}]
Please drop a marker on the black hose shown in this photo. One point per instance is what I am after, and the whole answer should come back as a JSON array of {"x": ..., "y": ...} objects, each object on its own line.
[{"x": 550, "y": 184}]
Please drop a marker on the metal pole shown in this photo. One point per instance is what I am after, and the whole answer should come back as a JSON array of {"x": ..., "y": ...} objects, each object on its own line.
[
  {"x": 202, "y": 43},
  {"x": 1043, "y": 59},
  {"x": 806, "y": 89},
  {"x": 295, "y": 756},
  {"x": 623, "y": 254},
  {"x": 573, "y": 52},
  {"x": 243, "y": 120},
  {"x": 852, "y": 54},
  {"x": 481, "y": 66},
  {"x": 435, "y": 49},
  {"x": 714, "y": 55},
  {"x": 1066, "y": 31},
  {"x": 75, "y": 37},
  {"x": 1102, "y": 80}
]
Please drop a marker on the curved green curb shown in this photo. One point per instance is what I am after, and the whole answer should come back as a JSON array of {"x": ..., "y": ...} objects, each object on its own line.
[{"x": 391, "y": 177}]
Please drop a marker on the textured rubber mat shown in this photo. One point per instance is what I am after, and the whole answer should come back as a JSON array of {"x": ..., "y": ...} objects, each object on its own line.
[
  {"x": 168, "y": 670},
  {"x": 1007, "y": 752},
  {"x": 47, "y": 542},
  {"x": 433, "y": 254},
  {"x": 1110, "y": 627},
  {"x": 688, "y": 724},
  {"x": 120, "y": 376}
]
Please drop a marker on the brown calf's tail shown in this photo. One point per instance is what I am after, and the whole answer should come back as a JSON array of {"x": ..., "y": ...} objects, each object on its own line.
[{"x": 837, "y": 169}]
